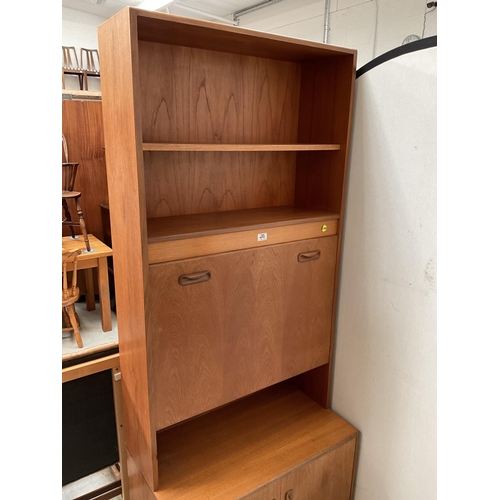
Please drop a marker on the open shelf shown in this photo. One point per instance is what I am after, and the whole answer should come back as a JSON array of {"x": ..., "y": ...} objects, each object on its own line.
[
  {"x": 149, "y": 146},
  {"x": 187, "y": 236},
  {"x": 242, "y": 446}
]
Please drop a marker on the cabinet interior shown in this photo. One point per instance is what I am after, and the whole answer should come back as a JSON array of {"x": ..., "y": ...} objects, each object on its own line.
[
  {"x": 225, "y": 131},
  {"x": 233, "y": 450}
]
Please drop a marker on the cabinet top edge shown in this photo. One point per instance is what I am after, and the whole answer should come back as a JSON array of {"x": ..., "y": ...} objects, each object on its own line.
[{"x": 173, "y": 29}]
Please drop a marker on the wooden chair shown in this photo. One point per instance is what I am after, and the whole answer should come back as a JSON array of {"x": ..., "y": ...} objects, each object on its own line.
[
  {"x": 89, "y": 59},
  {"x": 71, "y": 66},
  {"x": 69, "y": 171},
  {"x": 70, "y": 295}
]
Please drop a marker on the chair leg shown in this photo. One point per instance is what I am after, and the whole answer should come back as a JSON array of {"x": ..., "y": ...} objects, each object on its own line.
[
  {"x": 67, "y": 216},
  {"x": 74, "y": 324},
  {"x": 82, "y": 225},
  {"x": 65, "y": 317}
]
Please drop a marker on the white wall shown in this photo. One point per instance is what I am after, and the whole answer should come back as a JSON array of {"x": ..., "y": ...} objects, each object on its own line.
[
  {"x": 370, "y": 26},
  {"x": 385, "y": 362}
]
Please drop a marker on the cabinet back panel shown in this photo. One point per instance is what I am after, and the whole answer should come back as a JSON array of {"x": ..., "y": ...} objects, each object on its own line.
[
  {"x": 182, "y": 183},
  {"x": 199, "y": 96},
  {"x": 261, "y": 318}
]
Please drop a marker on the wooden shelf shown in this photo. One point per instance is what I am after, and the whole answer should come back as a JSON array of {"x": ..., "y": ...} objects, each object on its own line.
[
  {"x": 236, "y": 449},
  {"x": 149, "y": 146},
  {"x": 81, "y": 94},
  {"x": 188, "y": 236}
]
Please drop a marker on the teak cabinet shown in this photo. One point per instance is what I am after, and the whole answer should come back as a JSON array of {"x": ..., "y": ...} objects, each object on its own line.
[{"x": 226, "y": 154}]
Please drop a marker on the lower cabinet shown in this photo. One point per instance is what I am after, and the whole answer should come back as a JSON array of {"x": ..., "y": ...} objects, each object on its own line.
[
  {"x": 327, "y": 477},
  {"x": 269, "y": 492},
  {"x": 277, "y": 444}
]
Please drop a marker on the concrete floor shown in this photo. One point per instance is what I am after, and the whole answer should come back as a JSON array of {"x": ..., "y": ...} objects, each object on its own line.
[
  {"x": 91, "y": 331},
  {"x": 90, "y": 483}
]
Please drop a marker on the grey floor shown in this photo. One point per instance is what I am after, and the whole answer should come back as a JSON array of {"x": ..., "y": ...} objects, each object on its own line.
[
  {"x": 93, "y": 339},
  {"x": 91, "y": 332},
  {"x": 89, "y": 483}
]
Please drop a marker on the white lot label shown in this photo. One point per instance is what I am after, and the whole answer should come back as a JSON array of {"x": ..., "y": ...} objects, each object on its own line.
[{"x": 262, "y": 237}]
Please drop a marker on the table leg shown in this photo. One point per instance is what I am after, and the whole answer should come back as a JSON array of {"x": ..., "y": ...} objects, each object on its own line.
[
  {"x": 89, "y": 287},
  {"x": 104, "y": 294}
]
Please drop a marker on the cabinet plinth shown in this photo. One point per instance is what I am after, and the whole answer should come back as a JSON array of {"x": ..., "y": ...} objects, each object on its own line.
[{"x": 226, "y": 153}]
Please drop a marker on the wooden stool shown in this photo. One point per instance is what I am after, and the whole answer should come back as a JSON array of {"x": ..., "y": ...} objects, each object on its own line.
[{"x": 70, "y": 296}]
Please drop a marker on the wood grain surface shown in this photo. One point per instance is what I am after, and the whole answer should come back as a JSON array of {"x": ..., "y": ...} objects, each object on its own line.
[
  {"x": 171, "y": 29},
  {"x": 183, "y": 183},
  {"x": 187, "y": 236},
  {"x": 231, "y": 452},
  {"x": 261, "y": 318},
  {"x": 329, "y": 477},
  {"x": 119, "y": 84},
  {"x": 160, "y": 146},
  {"x": 218, "y": 243},
  {"x": 207, "y": 224},
  {"x": 191, "y": 95},
  {"x": 82, "y": 127}
]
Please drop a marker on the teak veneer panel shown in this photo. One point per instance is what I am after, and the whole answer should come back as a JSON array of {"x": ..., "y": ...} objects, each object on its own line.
[
  {"x": 201, "y": 96},
  {"x": 238, "y": 147},
  {"x": 183, "y": 183},
  {"x": 244, "y": 327},
  {"x": 241, "y": 447},
  {"x": 328, "y": 477},
  {"x": 82, "y": 127},
  {"x": 189, "y": 226},
  {"x": 169, "y": 79},
  {"x": 170, "y": 29},
  {"x": 175, "y": 238},
  {"x": 119, "y": 84}
]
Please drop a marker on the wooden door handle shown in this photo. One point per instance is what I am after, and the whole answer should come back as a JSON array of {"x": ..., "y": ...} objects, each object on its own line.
[
  {"x": 289, "y": 495},
  {"x": 192, "y": 279},
  {"x": 308, "y": 256}
]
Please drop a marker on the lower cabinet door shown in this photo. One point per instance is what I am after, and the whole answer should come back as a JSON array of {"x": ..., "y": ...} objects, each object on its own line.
[
  {"x": 328, "y": 477},
  {"x": 271, "y": 491},
  {"x": 224, "y": 326}
]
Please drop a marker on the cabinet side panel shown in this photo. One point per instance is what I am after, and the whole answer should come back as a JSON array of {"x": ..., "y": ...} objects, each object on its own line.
[
  {"x": 121, "y": 120},
  {"x": 329, "y": 476},
  {"x": 325, "y": 116},
  {"x": 327, "y": 94},
  {"x": 138, "y": 488}
]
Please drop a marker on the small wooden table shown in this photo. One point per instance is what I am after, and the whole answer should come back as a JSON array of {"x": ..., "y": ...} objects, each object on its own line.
[{"x": 98, "y": 258}]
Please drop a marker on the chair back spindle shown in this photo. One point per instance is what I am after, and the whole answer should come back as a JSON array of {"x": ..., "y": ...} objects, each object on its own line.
[
  {"x": 69, "y": 176},
  {"x": 70, "y": 58},
  {"x": 65, "y": 149},
  {"x": 71, "y": 259},
  {"x": 89, "y": 59}
]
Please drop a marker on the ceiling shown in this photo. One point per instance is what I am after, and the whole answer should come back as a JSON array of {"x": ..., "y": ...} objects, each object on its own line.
[{"x": 191, "y": 8}]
